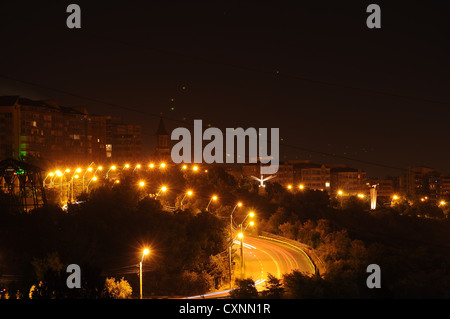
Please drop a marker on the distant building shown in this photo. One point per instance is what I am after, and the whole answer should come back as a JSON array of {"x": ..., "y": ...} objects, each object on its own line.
[
  {"x": 445, "y": 186},
  {"x": 311, "y": 175},
  {"x": 123, "y": 141},
  {"x": 51, "y": 134},
  {"x": 349, "y": 181},
  {"x": 421, "y": 181}
]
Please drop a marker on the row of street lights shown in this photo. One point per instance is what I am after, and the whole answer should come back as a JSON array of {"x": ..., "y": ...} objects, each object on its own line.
[
  {"x": 59, "y": 173},
  {"x": 240, "y": 235},
  {"x": 189, "y": 193},
  {"x": 52, "y": 177}
]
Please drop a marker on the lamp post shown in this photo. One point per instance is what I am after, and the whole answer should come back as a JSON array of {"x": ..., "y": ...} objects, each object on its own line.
[
  {"x": 61, "y": 185},
  {"x": 162, "y": 189},
  {"x": 239, "y": 204},
  {"x": 74, "y": 175},
  {"x": 49, "y": 174},
  {"x": 89, "y": 169},
  {"x": 241, "y": 237},
  {"x": 214, "y": 198},
  {"x": 92, "y": 179},
  {"x": 145, "y": 252},
  {"x": 188, "y": 193},
  {"x": 111, "y": 168},
  {"x": 57, "y": 174},
  {"x": 98, "y": 169}
]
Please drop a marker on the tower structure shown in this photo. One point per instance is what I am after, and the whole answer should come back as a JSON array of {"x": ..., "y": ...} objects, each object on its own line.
[
  {"x": 162, "y": 142},
  {"x": 23, "y": 184}
]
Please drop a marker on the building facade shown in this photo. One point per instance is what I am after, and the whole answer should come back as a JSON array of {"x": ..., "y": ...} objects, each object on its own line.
[
  {"x": 348, "y": 181},
  {"x": 52, "y": 134}
]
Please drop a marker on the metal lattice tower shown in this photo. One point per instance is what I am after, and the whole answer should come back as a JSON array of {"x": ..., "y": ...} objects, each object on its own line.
[{"x": 22, "y": 182}]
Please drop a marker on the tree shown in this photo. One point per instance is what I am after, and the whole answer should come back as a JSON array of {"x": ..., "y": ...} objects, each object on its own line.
[
  {"x": 117, "y": 289},
  {"x": 274, "y": 288},
  {"x": 246, "y": 289}
]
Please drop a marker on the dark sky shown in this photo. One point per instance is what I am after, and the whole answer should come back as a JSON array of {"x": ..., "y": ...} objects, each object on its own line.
[{"x": 335, "y": 88}]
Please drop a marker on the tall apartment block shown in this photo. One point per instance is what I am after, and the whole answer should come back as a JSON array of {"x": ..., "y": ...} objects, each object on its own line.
[{"x": 47, "y": 133}]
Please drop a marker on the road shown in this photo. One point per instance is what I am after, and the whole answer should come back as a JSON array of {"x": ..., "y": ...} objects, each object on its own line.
[{"x": 263, "y": 256}]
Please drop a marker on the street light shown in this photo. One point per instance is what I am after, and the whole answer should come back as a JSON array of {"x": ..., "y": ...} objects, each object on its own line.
[
  {"x": 141, "y": 184},
  {"x": 89, "y": 169},
  {"x": 137, "y": 166},
  {"x": 214, "y": 198},
  {"x": 241, "y": 236},
  {"x": 188, "y": 193},
  {"x": 111, "y": 168},
  {"x": 144, "y": 252},
  {"x": 49, "y": 174},
  {"x": 239, "y": 204},
  {"x": 61, "y": 185},
  {"x": 162, "y": 189},
  {"x": 92, "y": 179},
  {"x": 74, "y": 175}
]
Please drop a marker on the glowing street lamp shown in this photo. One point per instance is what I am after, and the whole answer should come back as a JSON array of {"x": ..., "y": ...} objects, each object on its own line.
[
  {"x": 145, "y": 252},
  {"x": 93, "y": 179},
  {"x": 48, "y": 175},
  {"x": 163, "y": 165},
  {"x": 239, "y": 204},
  {"x": 89, "y": 169},
  {"x": 214, "y": 198},
  {"x": 74, "y": 175},
  {"x": 188, "y": 193},
  {"x": 301, "y": 186},
  {"x": 61, "y": 185},
  {"x": 151, "y": 165},
  {"x": 195, "y": 168},
  {"x": 141, "y": 184},
  {"x": 125, "y": 166},
  {"x": 162, "y": 189},
  {"x": 136, "y": 167},
  {"x": 241, "y": 237},
  {"x": 111, "y": 168}
]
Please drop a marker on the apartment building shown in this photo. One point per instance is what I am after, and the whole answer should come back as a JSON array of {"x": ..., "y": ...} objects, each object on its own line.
[{"x": 53, "y": 134}]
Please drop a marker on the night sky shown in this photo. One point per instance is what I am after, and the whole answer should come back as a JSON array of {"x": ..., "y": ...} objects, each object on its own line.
[{"x": 377, "y": 99}]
